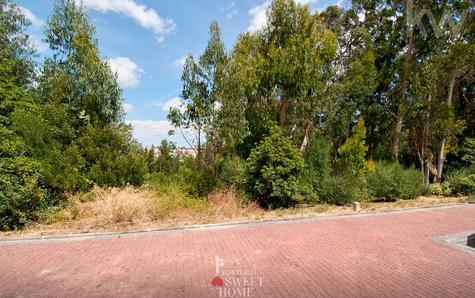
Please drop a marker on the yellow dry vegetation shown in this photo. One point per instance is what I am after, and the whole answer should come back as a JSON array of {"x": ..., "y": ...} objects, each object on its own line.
[{"x": 122, "y": 209}]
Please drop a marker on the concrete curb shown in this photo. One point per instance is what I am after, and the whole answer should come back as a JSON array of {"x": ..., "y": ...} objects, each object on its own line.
[
  {"x": 457, "y": 240},
  {"x": 202, "y": 227}
]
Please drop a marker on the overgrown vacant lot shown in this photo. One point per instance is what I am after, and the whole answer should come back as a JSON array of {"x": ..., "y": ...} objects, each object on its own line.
[
  {"x": 306, "y": 115},
  {"x": 131, "y": 208}
]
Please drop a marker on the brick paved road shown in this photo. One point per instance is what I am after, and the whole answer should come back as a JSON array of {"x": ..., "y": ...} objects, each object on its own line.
[{"x": 378, "y": 255}]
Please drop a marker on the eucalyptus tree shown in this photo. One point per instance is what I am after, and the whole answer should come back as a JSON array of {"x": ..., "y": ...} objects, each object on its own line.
[
  {"x": 16, "y": 58},
  {"x": 192, "y": 103},
  {"x": 283, "y": 69},
  {"x": 353, "y": 79},
  {"x": 22, "y": 189},
  {"x": 458, "y": 52},
  {"x": 91, "y": 90},
  {"x": 202, "y": 94}
]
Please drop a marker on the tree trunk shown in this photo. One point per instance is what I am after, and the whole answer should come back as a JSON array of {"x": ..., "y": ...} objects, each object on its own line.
[
  {"x": 306, "y": 137},
  {"x": 284, "y": 106},
  {"x": 421, "y": 160},
  {"x": 402, "y": 102},
  {"x": 396, "y": 137},
  {"x": 198, "y": 155},
  {"x": 293, "y": 130},
  {"x": 427, "y": 174},
  {"x": 425, "y": 141},
  {"x": 440, "y": 162}
]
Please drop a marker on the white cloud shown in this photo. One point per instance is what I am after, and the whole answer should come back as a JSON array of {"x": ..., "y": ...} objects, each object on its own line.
[
  {"x": 127, "y": 107},
  {"x": 146, "y": 17},
  {"x": 128, "y": 72},
  {"x": 150, "y": 132},
  {"x": 231, "y": 10},
  {"x": 180, "y": 62},
  {"x": 305, "y": 2},
  {"x": 174, "y": 102},
  {"x": 31, "y": 17},
  {"x": 258, "y": 16}
]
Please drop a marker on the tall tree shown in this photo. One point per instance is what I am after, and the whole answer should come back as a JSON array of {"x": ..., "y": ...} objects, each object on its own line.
[
  {"x": 92, "y": 89},
  {"x": 202, "y": 94},
  {"x": 284, "y": 71}
]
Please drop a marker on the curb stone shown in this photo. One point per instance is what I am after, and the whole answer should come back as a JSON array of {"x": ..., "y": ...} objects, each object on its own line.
[{"x": 213, "y": 226}]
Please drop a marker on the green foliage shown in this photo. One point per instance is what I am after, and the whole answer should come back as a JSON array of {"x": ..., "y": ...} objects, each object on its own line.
[
  {"x": 91, "y": 88},
  {"x": 167, "y": 160},
  {"x": 338, "y": 190},
  {"x": 62, "y": 129},
  {"x": 195, "y": 180},
  {"x": 232, "y": 171},
  {"x": 66, "y": 132},
  {"x": 352, "y": 153},
  {"x": 273, "y": 170},
  {"x": 113, "y": 161},
  {"x": 462, "y": 181},
  {"x": 390, "y": 181},
  {"x": 440, "y": 189},
  {"x": 468, "y": 149},
  {"x": 22, "y": 192},
  {"x": 69, "y": 162},
  {"x": 318, "y": 159}
]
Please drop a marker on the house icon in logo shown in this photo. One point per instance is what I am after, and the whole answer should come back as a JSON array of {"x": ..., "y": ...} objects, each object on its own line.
[{"x": 217, "y": 281}]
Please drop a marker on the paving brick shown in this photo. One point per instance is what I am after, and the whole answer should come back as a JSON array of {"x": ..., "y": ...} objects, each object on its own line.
[{"x": 386, "y": 255}]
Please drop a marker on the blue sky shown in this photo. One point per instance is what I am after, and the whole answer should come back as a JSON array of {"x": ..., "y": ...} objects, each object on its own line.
[{"x": 146, "y": 41}]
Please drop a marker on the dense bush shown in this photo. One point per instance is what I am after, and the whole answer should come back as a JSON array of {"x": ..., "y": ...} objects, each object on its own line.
[
  {"x": 273, "y": 170},
  {"x": 195, "y": 179},
  {"x": 22, "y": 187},
  {"x": 411, "y": 185},
  {"x": 440, "y": 189},
  {"x": 231, "y": 171},
  {"x": 318, "y": 160},
  {"x": 338, "y": 190},
  {"x": 391, "y": 181},
  {"x": 462, "y": 181},
  {"x": 68, "y": 161},
  {"x": 351, "y": 159},
  {"x": 22, "y": 192}
]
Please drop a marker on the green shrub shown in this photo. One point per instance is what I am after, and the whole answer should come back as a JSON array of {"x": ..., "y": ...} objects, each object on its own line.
[
  {"x": 112, "y": 159},
  {"x": 467, "y": 184},
  {"x": 351, "y": 159},
  {"x": 22, "y": 192},
  {"x": 446, "y": 189},
  {"x": 435, "y": 189},
  {"x": 384, "y": 182},
  {"x": 195, "y": 180},
  {"x": 462, "y": 181},
  {"x": 273, "y": 170},
  {"x": 411, "y": 185},
  {"x": 157, "y": 179},
  {"x": 318, "y": 160},
  {"x": 440, "y": 189},
  {"x": 232, "y": 171},
  {"x": 70, "y": 164},
  {"x": 391, "y": 181},
  {"x": 338, "y": 190}
]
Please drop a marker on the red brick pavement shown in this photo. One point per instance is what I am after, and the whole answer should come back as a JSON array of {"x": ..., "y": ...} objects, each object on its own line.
[{"x": 392, "y": 254}]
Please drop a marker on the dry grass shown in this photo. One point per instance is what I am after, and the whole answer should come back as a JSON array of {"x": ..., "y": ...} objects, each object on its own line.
[
  {"x": 419, "y": 202},
  {"x": 130, "y": 208}
]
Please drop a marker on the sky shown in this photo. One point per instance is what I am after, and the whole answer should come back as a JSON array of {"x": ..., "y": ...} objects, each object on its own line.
[{"x": 146, "y": 42}]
